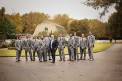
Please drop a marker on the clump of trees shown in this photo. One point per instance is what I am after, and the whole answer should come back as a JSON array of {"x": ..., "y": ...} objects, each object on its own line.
[
  {"x": 115, "y": 20},
  {"x": 98, "y": 28},
  {"x": 26, "y": 23}
]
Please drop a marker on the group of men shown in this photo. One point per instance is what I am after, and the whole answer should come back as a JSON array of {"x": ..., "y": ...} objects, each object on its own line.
[
  {"x": 45, "y": 47},
  {"x": 83, "y": 43}
]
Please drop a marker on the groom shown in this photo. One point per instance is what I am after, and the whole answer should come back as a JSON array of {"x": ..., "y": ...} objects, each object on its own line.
[{"x": 53, "y": 47}]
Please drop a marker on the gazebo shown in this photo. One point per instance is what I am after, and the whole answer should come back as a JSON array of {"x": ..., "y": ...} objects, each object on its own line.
[{"x": 49, "y": 28}]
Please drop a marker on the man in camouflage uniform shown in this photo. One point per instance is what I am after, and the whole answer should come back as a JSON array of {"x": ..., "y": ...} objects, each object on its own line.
[
  {"x": 27, "y": 45},
  {"x": 90, "y": 43},
  {"x": 18, "y": 46},
  {"x": 61, "y": 46}
]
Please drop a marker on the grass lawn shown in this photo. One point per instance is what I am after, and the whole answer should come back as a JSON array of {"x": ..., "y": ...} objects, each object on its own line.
[{"x": 99, "y": 47}]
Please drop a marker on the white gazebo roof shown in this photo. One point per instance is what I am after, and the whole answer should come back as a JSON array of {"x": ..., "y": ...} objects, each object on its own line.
[{"x": 49, "y": 27}]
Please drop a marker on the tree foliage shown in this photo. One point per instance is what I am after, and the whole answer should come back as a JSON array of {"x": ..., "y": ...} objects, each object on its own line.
[
  {"x": 115, "y": 21},
  {"x": 78, "y": 26},
  {"x": 62, "y": 20},
  {"x": 31, "y": 20},
  {"x": 16, "y": 19},
  {"x": 27, "y": 23},
  {"x": 7, "y": 29},
  {"x": 98, "y": 28}
]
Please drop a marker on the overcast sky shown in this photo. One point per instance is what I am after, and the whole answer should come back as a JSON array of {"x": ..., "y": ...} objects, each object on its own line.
[{"x": 74, "y": 8}]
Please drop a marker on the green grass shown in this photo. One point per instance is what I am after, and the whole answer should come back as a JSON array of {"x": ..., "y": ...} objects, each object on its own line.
[{"x": 99, "y": 47}]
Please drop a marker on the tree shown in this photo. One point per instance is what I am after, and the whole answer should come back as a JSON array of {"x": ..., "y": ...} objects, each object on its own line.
[
  {"x": 97, "y": 4},
  {"x": 78, "y": 26},
  {"x": 62, "y": 20},
  {"x": 117, "y": 22},
  {"x": 16, "y": 19},
  {"x": 2, "y": 12},
  {"x": 31, "y": 20},
  {"x": 114, "y": 26},
  {"x": 98, "y": 28},
  {"x": 7, "y": 29}
]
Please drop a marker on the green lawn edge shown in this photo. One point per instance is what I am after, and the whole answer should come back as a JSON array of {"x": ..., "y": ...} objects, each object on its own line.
[{"x": 99, "y": 47}]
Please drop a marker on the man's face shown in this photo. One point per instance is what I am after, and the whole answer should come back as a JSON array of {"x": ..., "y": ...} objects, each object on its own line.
[
  {"x": 70, "y": 35},
  {"x": 90, "y": 33},
  {"x": 28, "y": 37},
  {"x": 60, "y": 35},
  {"x": 20, "y": 37},
  {"x": 23, "y": 37},
  {"x": 82, "y": 35},
  {"x": 74, "y": 34},
  {"x": 52, "y": 36}
]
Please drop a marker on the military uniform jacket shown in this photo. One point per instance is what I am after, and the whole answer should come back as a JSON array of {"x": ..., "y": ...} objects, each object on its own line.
[
  {"x": 18, "y": 44},
  {"x": 61, "y": 42},
  {"x": 75, "y": 41},
  {"x": 71, "y": 42},
  {"x": 40, "y": 45},
  {"x": 34, "y": 44},
  {"x": 83, "y": 43},
  {"x": 91, "y": 40},
  {"x": 46, "y": 42},
  {"x": 27, "y": 44}
]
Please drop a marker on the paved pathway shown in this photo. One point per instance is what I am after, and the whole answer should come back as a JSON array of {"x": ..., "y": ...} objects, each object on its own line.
[{"x": 106, "y": 67}]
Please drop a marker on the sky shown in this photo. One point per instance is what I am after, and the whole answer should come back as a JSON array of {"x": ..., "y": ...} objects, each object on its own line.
[{"x": 73, "y": 8}]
